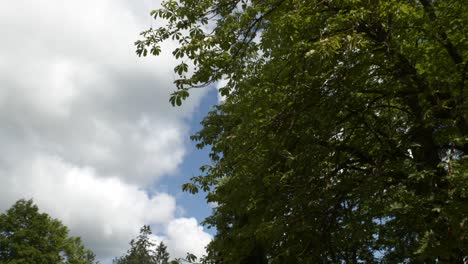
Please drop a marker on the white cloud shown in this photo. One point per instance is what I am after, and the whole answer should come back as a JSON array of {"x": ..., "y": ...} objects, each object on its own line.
[
  {"x": 71, "y": 77},
  {"x": 105, "y": 212},
  {"x": 182, "y": 236},
  {"x": 213, "y": 204},
  {"x": 86, "y": 125},
  {"x": 221, "y": 84},
  {"x": 185, "y": 235}
]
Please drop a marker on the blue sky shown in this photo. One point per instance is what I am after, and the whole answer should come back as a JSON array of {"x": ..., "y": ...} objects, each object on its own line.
[
  {"x": 194, "y": 205},
  {"x": 87, "y": 128}
]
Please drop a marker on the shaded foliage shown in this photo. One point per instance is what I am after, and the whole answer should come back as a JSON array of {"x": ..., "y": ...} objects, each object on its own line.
[{"x": 344, "y": 134}]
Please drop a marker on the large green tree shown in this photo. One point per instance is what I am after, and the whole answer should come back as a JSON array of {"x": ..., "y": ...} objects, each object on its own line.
[
  {"x": 30, "y": 237},
  {"x": 344, "y": 134}
]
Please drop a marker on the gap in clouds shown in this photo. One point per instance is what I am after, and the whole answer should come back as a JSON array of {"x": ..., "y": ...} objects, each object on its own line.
[
  {"x": 190, "y": 166},
  {"x": 87, "y": 127}
]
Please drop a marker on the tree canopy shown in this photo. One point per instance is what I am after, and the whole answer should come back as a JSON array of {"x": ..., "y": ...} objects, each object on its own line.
[
  {"x": 30, "y": 237},
  {"x": 344, "y": 134},
  {"x": 143, "y": 251}
]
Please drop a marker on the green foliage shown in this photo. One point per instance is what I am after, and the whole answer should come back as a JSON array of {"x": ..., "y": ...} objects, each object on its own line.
[
  {"x": 344, "y": 135},
  {"x": 141, "y": 251},
  {"x": 30, "y": 237},
  {"x": 191, "y": 258},
  {"x": 162, "y": 256}
]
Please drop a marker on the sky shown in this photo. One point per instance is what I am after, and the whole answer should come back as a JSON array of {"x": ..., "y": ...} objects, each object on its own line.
[{"x": 87, "y": 130}]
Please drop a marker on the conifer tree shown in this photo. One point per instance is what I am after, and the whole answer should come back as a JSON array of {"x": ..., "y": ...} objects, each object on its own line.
[{"x": 142, "y": 250}]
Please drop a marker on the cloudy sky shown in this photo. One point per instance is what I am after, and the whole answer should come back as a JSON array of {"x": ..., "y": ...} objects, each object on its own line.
[{"x": 86, "y": 127}]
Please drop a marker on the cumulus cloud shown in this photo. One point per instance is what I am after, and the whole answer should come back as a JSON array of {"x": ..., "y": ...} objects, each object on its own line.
[
  {"x": 86, "y": 125},
  {"x": 104, "y": 211},
  {"x": 70, "y": 75},
  {"x": 185, "y": 235},
  {"x": 182, "y": 236}
]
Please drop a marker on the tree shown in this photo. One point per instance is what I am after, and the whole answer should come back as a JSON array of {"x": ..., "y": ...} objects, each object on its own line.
[
  {"x": 162, "y": 256},
  {"x": 141, "y": 251},
  {"x": 344, "y": 134},
  {"x": 30, "y": 237}
]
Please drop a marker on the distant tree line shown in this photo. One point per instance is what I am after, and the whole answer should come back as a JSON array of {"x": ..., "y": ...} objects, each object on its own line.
[
  {"x": 30, "y": 237},
  {"x": 144, "y": 251}
]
